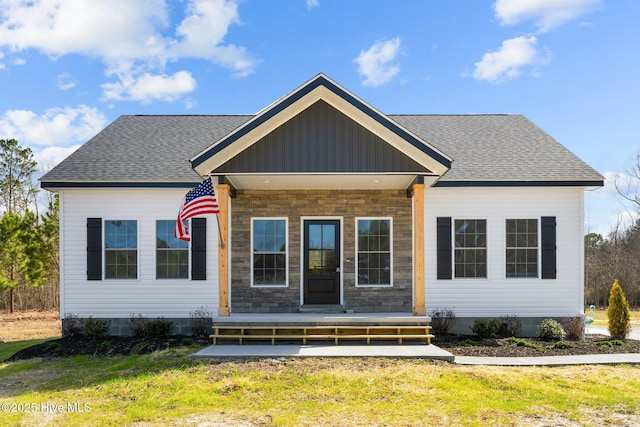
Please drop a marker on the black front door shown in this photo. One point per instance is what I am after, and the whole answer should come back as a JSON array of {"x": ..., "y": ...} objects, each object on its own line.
[{"x": 322, "y": 261}]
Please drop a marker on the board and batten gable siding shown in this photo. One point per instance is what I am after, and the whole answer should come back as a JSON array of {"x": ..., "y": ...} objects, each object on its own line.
[
  {"x": 146, "y": 295},
  {"x": 498, "y": 295}
]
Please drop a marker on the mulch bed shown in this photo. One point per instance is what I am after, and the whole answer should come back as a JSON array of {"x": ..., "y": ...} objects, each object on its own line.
[
  {"x": 109, "y": 346},
  {"x": 455, "y": 344},
  {"x": 503, "y": 347}
]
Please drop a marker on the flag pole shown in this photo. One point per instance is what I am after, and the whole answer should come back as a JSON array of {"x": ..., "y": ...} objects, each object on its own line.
[
  {"x": 220, "y": 232},
  {"x": 218, "y": 220}
]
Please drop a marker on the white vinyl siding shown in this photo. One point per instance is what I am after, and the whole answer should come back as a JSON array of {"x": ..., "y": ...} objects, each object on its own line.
[
  {"x": 499, "y": 295},
  {"x": 145, "y": 295}
]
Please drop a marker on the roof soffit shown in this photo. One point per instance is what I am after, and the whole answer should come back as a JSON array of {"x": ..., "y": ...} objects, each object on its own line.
[{"x": 320, "y": 88}]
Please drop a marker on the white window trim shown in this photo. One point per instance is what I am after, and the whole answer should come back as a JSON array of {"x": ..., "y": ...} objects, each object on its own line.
[
  {"x": 286, "y": 236},
  {"x": 104, "y": 250},
  {"x": 155, "y": 252},
  {"x": 453, "y": 247},
  {"x": 539, "y": 249},
  {"x": 384, "y": 218}
]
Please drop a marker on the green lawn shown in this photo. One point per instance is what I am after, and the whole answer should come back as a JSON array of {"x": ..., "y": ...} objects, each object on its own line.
[
  {"x": 170, "y": 388},
  {"x": 600, "y": 317}
]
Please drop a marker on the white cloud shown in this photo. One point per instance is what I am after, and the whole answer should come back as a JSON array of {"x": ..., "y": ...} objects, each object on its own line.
[
  {"x": 51, "y": 156},
  {"x": 507, "y": 62},
  {"x": 133, "y": 38},
  {"x": 547, "y": 14},
  {"x": 378, "y": 64},
  {"x": 146, "y": 88},
  {"x": 57, "y": 126},
  {"x": 66, "y": 81},
  {"x": 312, "y": 3}
]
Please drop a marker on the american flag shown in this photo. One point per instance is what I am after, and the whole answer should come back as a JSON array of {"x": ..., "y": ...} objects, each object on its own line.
[{"x": 199, "y": 201}]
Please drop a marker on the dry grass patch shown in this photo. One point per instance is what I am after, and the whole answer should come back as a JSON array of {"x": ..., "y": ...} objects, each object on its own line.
[{"x": 29, "y": 325}]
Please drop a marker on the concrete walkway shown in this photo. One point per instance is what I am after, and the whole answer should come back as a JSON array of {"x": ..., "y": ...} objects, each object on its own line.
[
  {"x": 591, "y": 359},
  {"x": 287, "y": 350}
]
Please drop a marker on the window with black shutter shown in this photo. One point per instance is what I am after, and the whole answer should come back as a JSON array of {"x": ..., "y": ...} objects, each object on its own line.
[
  {"x": 444, "y": 247},
  {"x": 198, "y": 249},
  {"x": 94, "y": 248},
  {"x": 548, "y": 240}
]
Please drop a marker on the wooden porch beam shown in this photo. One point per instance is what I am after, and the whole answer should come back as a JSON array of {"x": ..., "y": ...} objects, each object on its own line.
[
  {"x": 419, "y": 308},
  {"x": 222, "y": 193}
]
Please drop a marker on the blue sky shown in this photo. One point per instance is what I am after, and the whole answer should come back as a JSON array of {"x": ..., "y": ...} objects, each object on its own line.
[{"x": 69, "y": 67}]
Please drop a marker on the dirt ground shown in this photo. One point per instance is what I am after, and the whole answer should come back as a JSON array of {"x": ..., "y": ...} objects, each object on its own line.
[{"x": 29, "y": 325}]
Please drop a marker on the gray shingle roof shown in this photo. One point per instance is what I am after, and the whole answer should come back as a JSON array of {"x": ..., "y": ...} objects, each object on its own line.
[
  {"x": 157, "y": 149},
  {"x": 498, "y": 147},
  {"x": 144, "y": 149}
]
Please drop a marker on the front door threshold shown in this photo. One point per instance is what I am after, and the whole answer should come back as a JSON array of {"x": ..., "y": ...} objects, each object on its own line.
[{"x": 322, "y": 308}]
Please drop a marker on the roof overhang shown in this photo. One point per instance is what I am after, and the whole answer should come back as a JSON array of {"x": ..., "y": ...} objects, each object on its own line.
[{"x": 320, "y": 88}]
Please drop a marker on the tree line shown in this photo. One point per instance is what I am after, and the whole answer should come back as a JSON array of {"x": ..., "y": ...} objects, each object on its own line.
[
  {"x": 29, "y": 268},
  {"x": 616, "y": 256}
]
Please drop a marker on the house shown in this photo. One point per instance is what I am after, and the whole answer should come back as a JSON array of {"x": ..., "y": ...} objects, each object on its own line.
[{"x": 324, "y": 202}]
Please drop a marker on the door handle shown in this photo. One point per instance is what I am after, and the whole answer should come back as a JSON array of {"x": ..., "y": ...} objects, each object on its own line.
[{"x": 337, "y": 269}]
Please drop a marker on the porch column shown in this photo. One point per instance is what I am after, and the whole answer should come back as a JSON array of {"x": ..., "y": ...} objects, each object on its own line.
[
  {"x": 222, "y": 194},
  {"x": 419, "y": 308}
]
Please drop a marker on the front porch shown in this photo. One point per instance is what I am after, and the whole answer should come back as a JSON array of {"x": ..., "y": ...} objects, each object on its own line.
[{"x": 335, "y": 328}]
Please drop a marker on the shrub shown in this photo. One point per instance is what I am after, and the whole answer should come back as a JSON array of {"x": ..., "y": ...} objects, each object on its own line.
[
  {"x": 550, "y": 330},
  {"x": 524, "y": 343},
  {"x": 138, "y": 325},
  {"x": 159, "y": 328},
  {"x": 618, "y": 313},
  {"x": 486, "y": 328},
  {"x": 186, "y": 341},
  {"x": 106, "y": 346},
  {"x": 138, "y": 348},
  {"x": 468, "y": 343},
  {"x": 96, "y": 329},
  {"x": 610, "y": 343},
  {"x": 442, "y": 320},
  {"x": 561, "y": 345},
  {"x": 72, "y": 325},
  {"x": 54, "y": 348},
  {"x": 199, "y": 321},
  {"x": 574, "y": 328},
  {"x": 510, "y": 325}
]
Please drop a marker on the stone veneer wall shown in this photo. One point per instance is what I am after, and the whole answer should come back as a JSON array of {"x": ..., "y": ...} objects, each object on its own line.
[{"x": 294, "y": 204}]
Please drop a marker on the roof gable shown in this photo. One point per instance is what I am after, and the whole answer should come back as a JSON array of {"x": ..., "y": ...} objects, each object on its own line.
[
  {"x": 320, "y": 88},
  {"x": 333, "y": 143}
]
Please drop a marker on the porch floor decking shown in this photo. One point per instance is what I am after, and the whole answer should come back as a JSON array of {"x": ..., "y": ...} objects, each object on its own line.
[{"x": 334, "y": 327}]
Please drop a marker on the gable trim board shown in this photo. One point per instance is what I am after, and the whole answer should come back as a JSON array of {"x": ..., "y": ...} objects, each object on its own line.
[
  {"x": 320, "y": 88},
  {"x": 481, "y": 166}
]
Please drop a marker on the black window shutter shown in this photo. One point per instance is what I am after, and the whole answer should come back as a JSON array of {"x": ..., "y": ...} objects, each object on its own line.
[
  {"x": 94, "y": 248},
  {"x": 198, "y": 249},
  {"x": 444, "y": 247},
  {"x": 548, "y": 237}
]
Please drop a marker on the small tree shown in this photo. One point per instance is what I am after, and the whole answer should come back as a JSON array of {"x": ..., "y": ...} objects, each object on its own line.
[{"x": 618, "y": 313}]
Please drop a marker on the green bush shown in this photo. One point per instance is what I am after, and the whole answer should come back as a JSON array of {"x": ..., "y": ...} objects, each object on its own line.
[
  {"x": 561, "y": 345},
  {"x": 550, "y": 330},
  {"x": 485, "y": 328},
  {"x": 96, "y": 329},
  {"x": 159, "y": 328},
  {"x": 618, "y": 313}
]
